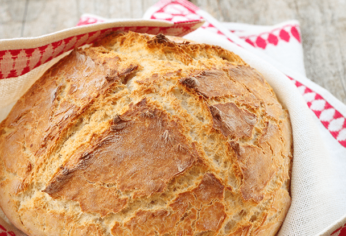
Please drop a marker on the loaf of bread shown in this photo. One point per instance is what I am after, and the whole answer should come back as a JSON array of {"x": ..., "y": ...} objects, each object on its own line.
[{"x": 147, "y": 135}]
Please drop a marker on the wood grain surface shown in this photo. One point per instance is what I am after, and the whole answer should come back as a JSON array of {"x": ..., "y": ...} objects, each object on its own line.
[{"x": 323, "y": 25}]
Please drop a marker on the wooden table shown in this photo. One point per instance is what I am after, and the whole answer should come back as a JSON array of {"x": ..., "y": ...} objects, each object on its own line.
[{"x": 323, "y": 25}]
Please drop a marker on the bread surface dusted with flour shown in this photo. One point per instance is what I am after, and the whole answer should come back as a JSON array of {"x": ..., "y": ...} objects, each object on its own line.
[{"x": 145, "y": 135}]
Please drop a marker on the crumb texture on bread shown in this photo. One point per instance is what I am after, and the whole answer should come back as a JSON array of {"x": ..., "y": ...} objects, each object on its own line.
[{"x": 147, "y": 135}]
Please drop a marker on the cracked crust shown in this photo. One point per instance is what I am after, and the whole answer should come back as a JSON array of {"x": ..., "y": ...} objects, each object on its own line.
[{"x": 147, "y": 135}]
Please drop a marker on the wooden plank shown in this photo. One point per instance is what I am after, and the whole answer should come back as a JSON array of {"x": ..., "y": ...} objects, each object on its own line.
[
  {"x": 212, "y": 7},
  {"x": 136, "y": 8},
  {"x": 323, "y": 27},
  {"x": 324, "y": 61},
  {"x": 341, "y": 36},
  {"x": 128, "y": 8},
  {"x": 100, "y": 8},
  {"x": 45, "y": 17},
  {"x": 147, "y": 3},
  {"x": 266, "y": 12},
  {"x": 121, "y": 9},
  {"x": 49, "y": 16},
  {"x": 11, "y": 18}
]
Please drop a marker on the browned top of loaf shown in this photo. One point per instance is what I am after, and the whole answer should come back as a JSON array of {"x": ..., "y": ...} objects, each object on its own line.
[{"x": 141, "y": 135}]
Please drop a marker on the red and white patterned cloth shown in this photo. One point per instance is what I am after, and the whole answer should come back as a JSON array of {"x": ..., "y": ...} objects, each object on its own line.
[
  {"x": 340, "y": 231},
  {"x": 318, "y": 118}
]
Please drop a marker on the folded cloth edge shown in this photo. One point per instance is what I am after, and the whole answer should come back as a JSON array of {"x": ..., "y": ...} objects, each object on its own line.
[
  {"x": 30, "y": 42},
  {"x": 300, "y": 115}
]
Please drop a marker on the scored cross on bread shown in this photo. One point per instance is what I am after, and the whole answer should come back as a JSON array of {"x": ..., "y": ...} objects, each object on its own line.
[{"x": 147, "y": 135}]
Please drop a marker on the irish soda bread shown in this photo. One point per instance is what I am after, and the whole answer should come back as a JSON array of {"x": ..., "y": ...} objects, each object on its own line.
[{"x": 145, "y": 135}]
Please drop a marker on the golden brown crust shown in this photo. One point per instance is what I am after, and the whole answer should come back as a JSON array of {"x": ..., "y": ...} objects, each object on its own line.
[
  {"x": 141, "y": 152},
  {"x": 257, "y": 169},
  {"x": 231, "y": 120},
  {"x": 147, "y": 135},
  {"x": 213, "y": 83}
]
